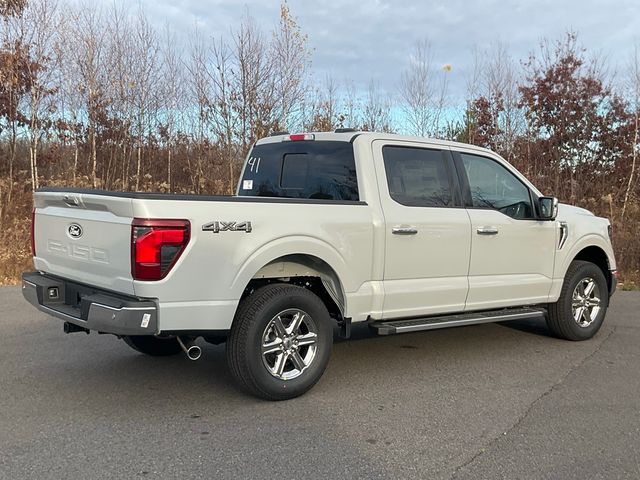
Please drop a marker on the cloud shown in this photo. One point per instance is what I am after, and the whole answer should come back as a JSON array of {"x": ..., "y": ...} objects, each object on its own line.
[{"x": 360, "y": 41}]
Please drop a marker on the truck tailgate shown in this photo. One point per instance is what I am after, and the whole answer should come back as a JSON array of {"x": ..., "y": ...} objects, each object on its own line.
[{"x": 84, "y": 237}]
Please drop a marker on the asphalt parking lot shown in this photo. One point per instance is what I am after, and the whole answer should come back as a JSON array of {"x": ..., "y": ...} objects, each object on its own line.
[{"x": 487, "y": 401}]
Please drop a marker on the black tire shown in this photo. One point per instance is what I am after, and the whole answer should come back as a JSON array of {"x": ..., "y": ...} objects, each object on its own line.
[
  {"x": 254, "y": 321},
  {"x": 154, "y": 346},
  {"x": 560, "y": 318}
]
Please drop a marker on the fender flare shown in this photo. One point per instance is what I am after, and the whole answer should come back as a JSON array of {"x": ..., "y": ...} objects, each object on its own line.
[
  {"x": 287, "y": 246},
  {"x": 590, "y": 240}
]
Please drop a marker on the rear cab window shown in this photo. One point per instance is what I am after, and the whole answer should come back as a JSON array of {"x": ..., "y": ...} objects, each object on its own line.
[{"x": 307, "y": 169}]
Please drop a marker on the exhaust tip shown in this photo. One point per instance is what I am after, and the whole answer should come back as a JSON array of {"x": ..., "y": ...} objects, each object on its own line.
[
  {"x": 194, "y": 352},
  {"x": 73, "y": 328}
]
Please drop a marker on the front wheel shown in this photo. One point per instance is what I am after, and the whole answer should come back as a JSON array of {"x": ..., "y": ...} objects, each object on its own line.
[
  {"x": 280, "y": 342},
  {"x": 579, "y": 312}
]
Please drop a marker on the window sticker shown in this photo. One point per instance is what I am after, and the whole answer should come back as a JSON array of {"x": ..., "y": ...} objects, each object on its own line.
[{"x": 247, "y": 184}]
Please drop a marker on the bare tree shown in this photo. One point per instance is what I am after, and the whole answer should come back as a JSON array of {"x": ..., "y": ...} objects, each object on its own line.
[
  {"x": 70, "y": 99},
  {"x": 321, "y": 109},
  {"x": 352, "y": 108},
  {"x": 200, "y": 94},
  {"x": 146, "y": 69},
  {"x": 291, "y": 59},
  {"x": 254, "y": 98},
  {"x": 224, "y": 120},
  {"x": 87, "y": 34},
  {"x": 251, "y": 86},
  {"x": 38, "y": 27},
  {"x": 376, "y": 110},
  {"x": 172, "y": 94},
  {"x": 423, "y": 92},
  {"x": 499, "y": 84},
  {"x": 634, "y": 87},
  {"x": 120, "y": 61}
]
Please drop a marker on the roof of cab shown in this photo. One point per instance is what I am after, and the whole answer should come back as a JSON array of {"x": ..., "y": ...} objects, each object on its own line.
[{"x": 351, "y": 135}]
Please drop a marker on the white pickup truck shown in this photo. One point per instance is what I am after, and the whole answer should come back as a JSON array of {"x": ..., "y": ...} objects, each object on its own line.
[{"x": 326, "y": 229}]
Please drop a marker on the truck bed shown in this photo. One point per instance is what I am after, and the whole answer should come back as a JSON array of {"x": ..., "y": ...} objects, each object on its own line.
[{"x": 193, "y": 197}]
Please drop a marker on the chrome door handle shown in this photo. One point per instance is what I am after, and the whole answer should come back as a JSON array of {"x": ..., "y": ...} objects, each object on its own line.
[
  {"x": 487, "y": 231},
  {"x": 404, "y": 230}
]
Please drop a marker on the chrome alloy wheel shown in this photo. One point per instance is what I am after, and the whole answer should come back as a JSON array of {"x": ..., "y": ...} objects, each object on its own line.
[
  {"x": 289, "y": 344},
  {"x": 585, "y": 303}
]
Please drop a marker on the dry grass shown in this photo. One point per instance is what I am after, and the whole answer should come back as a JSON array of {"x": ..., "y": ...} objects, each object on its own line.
[
  {"x": 15, "y": 223},
  {"x": 15, "y": 235}
]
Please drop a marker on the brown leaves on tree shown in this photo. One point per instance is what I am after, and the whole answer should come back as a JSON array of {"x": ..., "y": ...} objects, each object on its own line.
[
  {"x": 15, "y": 82},
  {"x": 12, "y": 8}
]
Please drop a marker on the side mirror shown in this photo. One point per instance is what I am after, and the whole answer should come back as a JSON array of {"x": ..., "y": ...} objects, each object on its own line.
[{"x": 548, "y": 208}]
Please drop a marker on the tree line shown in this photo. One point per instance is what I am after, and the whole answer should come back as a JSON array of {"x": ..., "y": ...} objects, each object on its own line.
[{"x": 99, "y": 97}]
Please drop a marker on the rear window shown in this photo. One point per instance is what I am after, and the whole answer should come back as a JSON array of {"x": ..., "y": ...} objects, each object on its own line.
[{"x": 304, "y": 169}]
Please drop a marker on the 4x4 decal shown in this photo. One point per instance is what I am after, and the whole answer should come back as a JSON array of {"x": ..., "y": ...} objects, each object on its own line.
[{"x": 217, "y": 227}]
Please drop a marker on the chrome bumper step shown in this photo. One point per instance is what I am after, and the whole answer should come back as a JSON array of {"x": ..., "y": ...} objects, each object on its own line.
[{"x": 390, "y": 327}]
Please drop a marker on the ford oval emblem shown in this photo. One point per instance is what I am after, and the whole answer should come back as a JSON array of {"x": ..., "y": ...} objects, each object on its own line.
[{"x": 75, "y": 230}]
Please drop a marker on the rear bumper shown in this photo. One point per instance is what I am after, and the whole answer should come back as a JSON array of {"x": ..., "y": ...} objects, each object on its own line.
[{"x": 90, "y": 308}]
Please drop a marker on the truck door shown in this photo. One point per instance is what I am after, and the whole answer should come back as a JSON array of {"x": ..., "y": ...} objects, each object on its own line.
[
  {"x": 512, "y": 252},
  {"x": 427, "y": 231}
]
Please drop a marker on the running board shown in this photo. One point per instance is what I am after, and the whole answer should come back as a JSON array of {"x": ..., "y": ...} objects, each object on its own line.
[{"x": 390, "y": 327}]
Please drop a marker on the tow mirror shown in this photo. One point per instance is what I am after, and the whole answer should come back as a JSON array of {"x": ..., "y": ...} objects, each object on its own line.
[{"x": 548, "y": 208}]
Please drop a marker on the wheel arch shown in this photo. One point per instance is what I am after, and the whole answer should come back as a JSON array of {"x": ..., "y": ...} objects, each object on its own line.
[
  {"x": 591, "y": 248},
  {"x": 596, "y": 255},
  {"x": 307, "y": 271},
  {"x": 307, "y": 262}
]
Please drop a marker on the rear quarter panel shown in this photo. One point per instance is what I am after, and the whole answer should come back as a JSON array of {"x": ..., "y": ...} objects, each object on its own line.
[{"x": 203, "y": 289}]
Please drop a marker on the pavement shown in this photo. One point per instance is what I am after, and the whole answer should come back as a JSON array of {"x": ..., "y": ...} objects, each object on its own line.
[{"x": 487, "y": 401}]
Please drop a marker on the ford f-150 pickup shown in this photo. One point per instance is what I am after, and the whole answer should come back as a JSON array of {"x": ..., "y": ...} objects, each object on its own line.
[{"x": 326, "y": 229}]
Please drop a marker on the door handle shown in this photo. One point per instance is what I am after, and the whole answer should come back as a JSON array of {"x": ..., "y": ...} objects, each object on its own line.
[
  {"x": 404, "y": 230},
  {"x": 487, "y": 230}
]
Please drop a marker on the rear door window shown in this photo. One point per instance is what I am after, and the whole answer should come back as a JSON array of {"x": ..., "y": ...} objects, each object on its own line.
[
  {"x": 310, "y": 169},
  {"x": 418, "y": 177}
]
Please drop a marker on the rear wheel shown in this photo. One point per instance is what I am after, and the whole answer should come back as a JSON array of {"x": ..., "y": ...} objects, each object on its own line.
[
  {"x": 280, "y": 342},
  {"x": 579, "y": 312},
  {"x": 154, "y": 346}
]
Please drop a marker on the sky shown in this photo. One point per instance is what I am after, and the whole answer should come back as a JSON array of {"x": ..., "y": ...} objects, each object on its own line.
[{"x": 356, "y": 40}]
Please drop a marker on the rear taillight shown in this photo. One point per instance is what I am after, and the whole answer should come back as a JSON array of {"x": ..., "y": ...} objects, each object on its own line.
[
  {"x": 156, "y": 246},
  {"x": 33, "y": 232}
]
